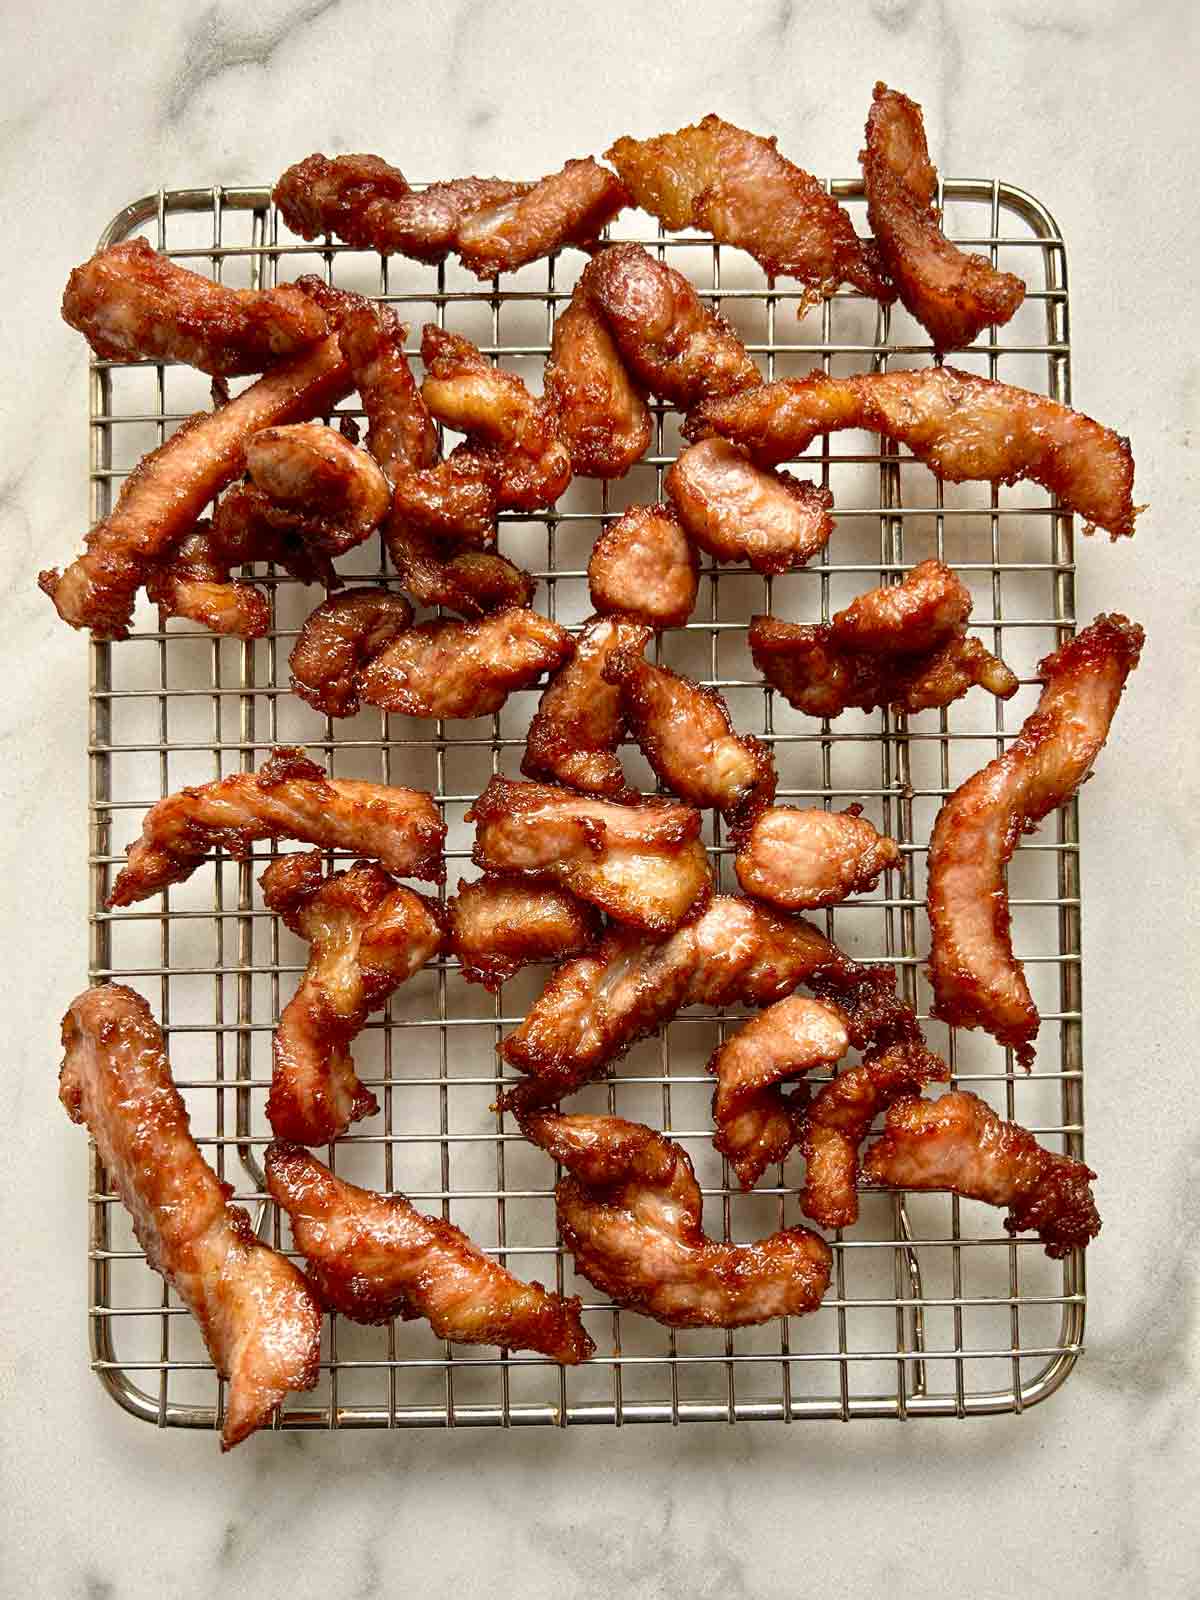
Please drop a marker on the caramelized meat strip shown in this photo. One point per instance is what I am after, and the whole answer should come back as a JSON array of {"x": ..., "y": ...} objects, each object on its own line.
[
  {"x": 367, "y": 935},
  {"x": 686, "y": 734},
  {"x": 289, "y": 797},
  {"x": 977, "y": 981},
  {"x": 958, "y": 1143},
  {"x": 195, "y": 582},
  {"x": 260, "y": 1321},
  {"x": 839, "y": 1117},
  {"x": 337, "y": 641},
  {"x": 400, "y": 432},
  {"x": 510, "y": 430},
  {"x": 962, "y": 427},
  {"x": 596, "y": 1007},
  {"x": 374, "y": 1257},
  {"x": 463, "y": 669},
  {"x": 602, "y": 412},
  {"x": 133, "y": 304},
  {"x": 247, "y": 526},
  {"x": 953, "y": 295},
  {"x": 578, "y": 725},
  {"x": 643, "y": 864},
  {"x": 802, "y": 859},
  {"x": 674, "y": 345},
  {"x": 757, "y": 1124},
  {"x": 737, "y": 187},
  {"x": 928, "y": 606},
  {"x": 317, "y": 473},
  {"x": 630, "y": 1212},
  {"x": 643, "y": 567},
  {"x": 739, "y": 512},
  {"x": 161, "y": 499},
  {"x": 499, "y": 925},
  {"x": 492, "y": 224}
]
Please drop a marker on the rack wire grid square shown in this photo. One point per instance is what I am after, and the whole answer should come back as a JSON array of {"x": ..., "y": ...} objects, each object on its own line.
[{"x": 932, "y": 1310}]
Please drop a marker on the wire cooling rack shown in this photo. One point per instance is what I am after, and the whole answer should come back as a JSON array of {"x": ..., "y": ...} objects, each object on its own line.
[{"x": 933, "y": 1310}]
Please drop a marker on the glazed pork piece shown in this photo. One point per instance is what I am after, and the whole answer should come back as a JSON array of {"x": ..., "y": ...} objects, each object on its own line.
[
  {"x": 739, "y": 512},
  {"x": 289, "y": 797},
  {"x": 373, "y": 1257},
  {"x": 737, "y": 187},
  {"x": 962, "y": 427},
  {"x": 756, "y": 1123},
  {"x": 367, "y": 935},
  {"x": 800, "y": 859},
  {"x": 510, "y": 431},
  {"x": 928, "y": 606},
  {"x": 953, "y": 295},
  {"x": 316, "y": 473},
  {"x": 675, "y": 346},
  {"x": 977, "y": 981},
  {"x": 197, "y": 583},
  {"x": 597, "y": 1006},
  {"x": 958, "y": 1143},
  {"x": 630, "y": 1212},
  {"x": 491, "y": 224},
  {"x": 337, "y": 641},
  {"x": 260, "y": 1321},
  {"x": 463, "y": 669},
  {"x": 247, "y": 525},
  {"x": 686, "y": 734},
  {"x": 643, "y": 864},
  {"x": 644, "y": 568},
  {"x": 839, "y": 1118},
  {"x": 497, "y": 925},
  {"x": 578, "y": 725},
  {"x": 602, "y": 413},
  {"x": 133, "y": 304}
]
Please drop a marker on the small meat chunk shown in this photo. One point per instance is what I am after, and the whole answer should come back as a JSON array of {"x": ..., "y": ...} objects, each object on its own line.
[
  {"x": 463, "y": 669},
  {"x": 313, "y": 470},
  {"x": 602, "y": 412},
  {"x": 338, "y": 640},
  {"x": 644, "y": 568},
  {"x": 802, "y": 859},
  {"x": 739, "y": 512},
  {"x": 928, "y": 606},
  {"x": 643, "y": 864},
  {"x": 196, "y": 583},
  {"x": 499, "y": 925}
]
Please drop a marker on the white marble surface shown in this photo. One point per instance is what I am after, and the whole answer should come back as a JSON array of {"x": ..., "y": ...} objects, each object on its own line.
[{"x": 1090, "y": 104}]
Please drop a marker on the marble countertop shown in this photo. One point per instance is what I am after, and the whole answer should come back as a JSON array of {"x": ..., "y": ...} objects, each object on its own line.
[{"x": 1090, "y": 104}]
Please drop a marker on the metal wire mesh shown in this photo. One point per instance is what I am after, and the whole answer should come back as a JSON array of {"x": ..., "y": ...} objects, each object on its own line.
[{"x": 932, "y": 1309}]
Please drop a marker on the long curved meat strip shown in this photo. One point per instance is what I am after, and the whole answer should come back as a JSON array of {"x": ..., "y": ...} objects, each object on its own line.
[
  {"x": 196, "y": 582},
  {"x": 839, "y": 1118},
  {"x": 493, "y": 225},
  {"x": 643, "y": 567},
  {"x": 596, "y": 1007},
  {"x": 315, "y": 471},
  {"x": 737, "y": 187},
  {"x": 463, "y": 669},
  {"x": 401, "y": 434},
  {"x": 133, "y": 304},
  {"x": 367, "y": 936},
  {"x": 817, "y": 675},
  {"x": 958, "y": 1143},
  {"x": 602, "y": 412},
  {"x": 961, "y": 426},
  {"x": 260, "y": 1321},
  {"x": 630, "y": 1212},
  {"x": 686, "y": 734},
  {"x": 337, "y": 641},
  {"x": 643, "y": 864},
  {"x": 800, "y": 859},
  {"x": 513, "y": 432},
  {"x": 977, "y": 981},
  {"x": 951, "y": 294},
  {"x": 756, "y": 1123},
  {"x": 497, "y": 925},
  {"x": 289, "y": 797},
  {"x": 740, "y": 512},
  {"x": 373, "y": 1257},
  {"x": 578, "y": 724},
  {"x": 161, "y": 499},
  {"x": 674, "y": 345}
]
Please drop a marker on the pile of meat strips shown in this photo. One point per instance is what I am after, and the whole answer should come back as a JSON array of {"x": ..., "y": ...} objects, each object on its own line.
[{"x": 579, "y": 869}]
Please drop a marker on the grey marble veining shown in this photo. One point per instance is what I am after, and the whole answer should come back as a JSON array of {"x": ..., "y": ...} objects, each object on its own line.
[{"x": 1089, "y": 105}]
